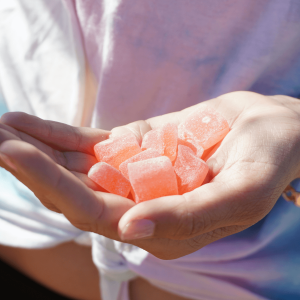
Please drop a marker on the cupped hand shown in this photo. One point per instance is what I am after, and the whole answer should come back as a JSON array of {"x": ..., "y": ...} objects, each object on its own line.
[
  {"x": 52, "y": 159},
  {"x": 250, "y": 169}
]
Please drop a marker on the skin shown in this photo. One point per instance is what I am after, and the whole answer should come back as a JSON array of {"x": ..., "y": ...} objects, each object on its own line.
[
  {"x": 249, "y": 171},
  {"x": 55, "y": 269}
]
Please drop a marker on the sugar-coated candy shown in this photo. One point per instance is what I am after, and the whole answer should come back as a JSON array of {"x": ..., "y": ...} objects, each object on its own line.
[
  {"x": 163, "y": 140},
  {"x": 153, "y": 140},
  {"x": 116, "y": 150},
  {"x": 110, "y": 179},
  {"x": 205, "y": 127},
  {"x": 152, "y": 178},
  {"x": 197, "y": 149},
  {"x": 190, "y": 170},
  {"x": 149, "y": 153},
  {"x": 210, "y": 151},
  {"x": 170, "y": 138}
]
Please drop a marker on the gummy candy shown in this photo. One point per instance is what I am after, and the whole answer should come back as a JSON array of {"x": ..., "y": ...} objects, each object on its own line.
[
  {"x": 197, "y": 149},
  {"x": 163, "y": 140},
  {"x": 116, "y": 150},
  {"x": 152, "y": 178},
  {"x": 190, "y": 170},
  {"x": 150, "y": 153},
  {"x": 204, "y": 127},
  {"x": 110, "y": 179}
]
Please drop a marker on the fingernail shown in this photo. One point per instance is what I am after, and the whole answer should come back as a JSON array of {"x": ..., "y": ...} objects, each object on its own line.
[
  {"x": 8, "y": 162},
  {"x": 138, "y": 229}
]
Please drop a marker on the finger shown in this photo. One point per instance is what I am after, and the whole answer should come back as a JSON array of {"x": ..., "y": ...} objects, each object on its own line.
[
  {"x": 171, "y": 249},
  {"x": 58, "y": 135},
  {"x": 74, "y": 161},
  {"x": 6, "y": 135},
  {"x": 10, "y": 133},
  {"x": 57, "y": 187},
  {"x": 88, "y": 182},
  {"x": 173, "y": 217}
]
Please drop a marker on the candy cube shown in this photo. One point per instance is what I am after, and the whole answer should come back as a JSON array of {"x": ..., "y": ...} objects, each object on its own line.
[
  {"x": 190, "y": 170},
  {"x": 152, "y": 178},
  {"x": 163, "y": 140},
  {"x": 110, "y": 179},
  {"x": 153, "y": 140},
  {"x": 150, "y": 153},
  {"x": 116, "y": 150},
  {"x": 205, "y": 127}
]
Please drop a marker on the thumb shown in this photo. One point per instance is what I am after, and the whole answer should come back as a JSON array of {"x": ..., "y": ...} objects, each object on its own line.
[{"x": 218, "y": 204}]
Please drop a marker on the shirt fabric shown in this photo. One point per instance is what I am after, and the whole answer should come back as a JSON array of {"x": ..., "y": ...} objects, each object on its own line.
[{"x": 151, "y": 57}]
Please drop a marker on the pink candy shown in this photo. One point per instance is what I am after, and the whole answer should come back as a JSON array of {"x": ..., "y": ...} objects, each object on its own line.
[
  {"x": 116, "y": 150},
  {"x": 204, "y": 127},
  {"x": 110, "y": 179},
  {"x": 190, "y": 169},
  {"x": 150, "y": 153},
  {"x": 197, "y": 149},
  {"x": 149, "y": 174},
  {"x": 152, "y": 178},
  {"x": 163, "y": 140}
]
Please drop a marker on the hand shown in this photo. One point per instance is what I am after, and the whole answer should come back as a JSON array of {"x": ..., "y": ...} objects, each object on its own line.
[
  {"x": 54, "y": 167},
  {"x": 250, "y": 169}
]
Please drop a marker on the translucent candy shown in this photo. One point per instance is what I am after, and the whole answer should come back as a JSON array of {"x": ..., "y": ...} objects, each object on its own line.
[
  {"x": 163, "y": 140},
  {"x": 153, "y": 140},
  {"x": 205, "y": 127},
  {"x": 197, "y": 149},
  {"x": 150, "y": 153},
  {"x": 116, "y": 150},
  {"x": 110, "y": 179},
  {"x": 190, "y": 170},
  {"x": 210, "y": 151},
  {"x": 152, "y": 178}
]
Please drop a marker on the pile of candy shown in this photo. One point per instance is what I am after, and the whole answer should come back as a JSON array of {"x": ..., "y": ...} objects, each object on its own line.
[{"x": 167, "y": 163}]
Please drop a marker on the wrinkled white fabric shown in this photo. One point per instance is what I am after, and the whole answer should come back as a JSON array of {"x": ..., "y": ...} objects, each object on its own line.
[
  {"x": 42, "y": 60},
  {"x": 42, "y": 72},
  {"x": 111, "y": 259},
  {"x": 152, "y": 57}
]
